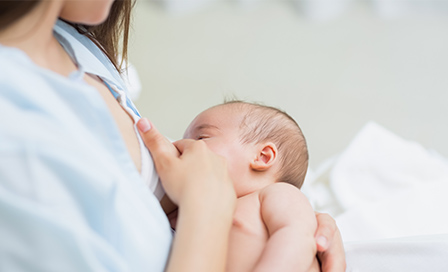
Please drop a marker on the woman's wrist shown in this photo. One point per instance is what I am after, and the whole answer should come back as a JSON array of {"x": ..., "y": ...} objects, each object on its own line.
[
  {"x": 209, "y": 208},
  {"x": 218, "y": 200},
  {"x": 202, "y": 234}
]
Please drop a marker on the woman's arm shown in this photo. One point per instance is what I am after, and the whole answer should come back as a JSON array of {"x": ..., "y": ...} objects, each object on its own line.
[{"x": 197, "y": 181}]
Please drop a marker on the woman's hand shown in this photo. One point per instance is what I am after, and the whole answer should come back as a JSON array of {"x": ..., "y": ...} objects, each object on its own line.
[
  {"x": 330, "y": 249},
  {"x": 188, "y": 168},
  {"x": 197, "y": 180}
]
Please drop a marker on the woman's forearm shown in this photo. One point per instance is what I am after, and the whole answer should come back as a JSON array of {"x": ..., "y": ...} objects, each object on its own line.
[{"x": 201, "y": 239}]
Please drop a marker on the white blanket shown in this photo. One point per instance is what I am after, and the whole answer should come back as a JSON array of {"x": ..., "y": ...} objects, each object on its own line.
[
  {"x": 410, "y": 254},
  {"x": 383, "y": 187}
]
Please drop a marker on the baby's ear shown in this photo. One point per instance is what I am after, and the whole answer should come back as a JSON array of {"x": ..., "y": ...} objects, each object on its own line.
[{"x": 265, "y": 157}]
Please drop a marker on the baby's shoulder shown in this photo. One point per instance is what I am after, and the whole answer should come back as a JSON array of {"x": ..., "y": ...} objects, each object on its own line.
[
  {"x": 280, "y": 189},
  {"x": 281, "y": 195},
  {"x": 283, "y": 204}
]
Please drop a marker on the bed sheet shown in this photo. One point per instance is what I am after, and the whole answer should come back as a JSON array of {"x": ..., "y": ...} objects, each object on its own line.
[
  {"x": 416, "y": 253},
  {"x": 389, "y": 199}
]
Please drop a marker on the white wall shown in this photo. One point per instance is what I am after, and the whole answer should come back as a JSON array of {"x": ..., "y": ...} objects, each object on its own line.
[{"x": 331, "y": 76}]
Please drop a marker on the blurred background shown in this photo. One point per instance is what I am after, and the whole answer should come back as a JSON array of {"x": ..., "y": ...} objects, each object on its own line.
[{"x": 334, "y": 65}]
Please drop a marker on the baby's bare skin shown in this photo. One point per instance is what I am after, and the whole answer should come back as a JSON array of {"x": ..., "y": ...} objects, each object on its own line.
[
  {"x": 250, "y": 244},
  {"x": 248, "y": 235},
  {"x": 274, "y": 224}
]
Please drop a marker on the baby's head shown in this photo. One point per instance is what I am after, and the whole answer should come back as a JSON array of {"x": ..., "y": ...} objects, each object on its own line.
[{"x": 257, "y": 141}]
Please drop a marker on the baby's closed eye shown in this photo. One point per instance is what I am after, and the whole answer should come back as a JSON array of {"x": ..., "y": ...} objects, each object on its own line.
[{"x": 202, "y": 137}]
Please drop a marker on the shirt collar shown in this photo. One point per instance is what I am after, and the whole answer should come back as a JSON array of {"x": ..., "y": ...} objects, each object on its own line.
[{"x": 88, "y": 57}]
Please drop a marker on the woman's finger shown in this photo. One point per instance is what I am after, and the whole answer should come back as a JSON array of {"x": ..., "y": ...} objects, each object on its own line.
[
  {"x": 333, "y": 259},
  {"x": 185, "y": 144},
  {"x": 162, "y": 150},
  {"x": 329, "y": 244},
  {"x": 325, "y": 231}
]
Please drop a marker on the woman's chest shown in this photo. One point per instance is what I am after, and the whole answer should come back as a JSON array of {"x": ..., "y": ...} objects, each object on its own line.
[{"x": 123, "y": 120}]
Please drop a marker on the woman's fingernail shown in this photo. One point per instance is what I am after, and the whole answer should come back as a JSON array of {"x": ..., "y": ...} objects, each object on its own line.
[
  {"x": 144, "y": 125},
  {"x": 321, "y": 241}
]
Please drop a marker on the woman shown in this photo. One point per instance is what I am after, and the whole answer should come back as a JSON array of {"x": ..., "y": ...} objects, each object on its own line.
[{"x": 74, "y": 171}]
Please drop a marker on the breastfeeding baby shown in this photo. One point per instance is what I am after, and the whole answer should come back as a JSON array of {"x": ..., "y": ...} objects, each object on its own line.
[{"x": 274, "y": 223}]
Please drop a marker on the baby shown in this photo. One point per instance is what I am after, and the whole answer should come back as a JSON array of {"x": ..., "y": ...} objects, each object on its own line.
[{"x": 274, "y": 224}]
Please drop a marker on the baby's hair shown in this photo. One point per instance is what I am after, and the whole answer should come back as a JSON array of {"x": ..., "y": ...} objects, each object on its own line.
[{"x": 264, "y": 123}]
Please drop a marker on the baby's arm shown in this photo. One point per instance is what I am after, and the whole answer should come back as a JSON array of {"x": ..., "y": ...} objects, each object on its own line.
[{"x": 291, "y": 224}]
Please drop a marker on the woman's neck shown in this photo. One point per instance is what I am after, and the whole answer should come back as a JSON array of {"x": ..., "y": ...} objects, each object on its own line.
[{"x": 33, "y": 34}]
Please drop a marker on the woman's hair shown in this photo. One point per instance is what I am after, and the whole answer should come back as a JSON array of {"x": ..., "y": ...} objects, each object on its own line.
[
  {"x": 13, "y": 10},
  {"x": 264, "y": 123},
  {"x": 111, "y": 36}
]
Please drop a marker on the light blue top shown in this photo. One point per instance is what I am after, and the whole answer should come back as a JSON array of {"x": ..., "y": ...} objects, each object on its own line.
[{"x": 71, "y": 198}]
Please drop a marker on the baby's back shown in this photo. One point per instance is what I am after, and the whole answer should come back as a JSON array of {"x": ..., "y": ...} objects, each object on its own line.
[
  {"x": 281, "y": 214},
  {"x": 248, "y": 236}
]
